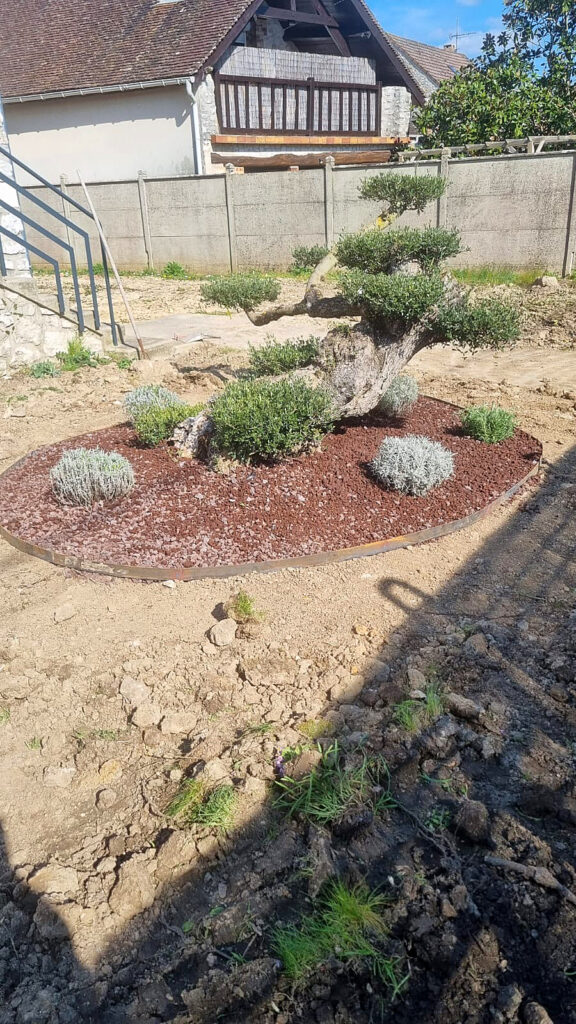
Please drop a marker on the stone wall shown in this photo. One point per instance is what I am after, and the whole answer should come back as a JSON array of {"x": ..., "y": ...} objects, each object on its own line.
[{"x": 31, "y": 331}]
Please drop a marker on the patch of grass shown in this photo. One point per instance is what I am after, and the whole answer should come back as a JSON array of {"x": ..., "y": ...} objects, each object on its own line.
[
  {"x": 406, "y": 714},
  {"x": 259, "y": 728},
  {"x": 157, "y": 424},
  {"x": 314, "y": 728},
  {"x": 78, "y": 356},
  {"x": 4, "y": 715},
  {"x": 277, "y": 357},
  {"x": 217, "y": 810},
  {"x": 489, "y": 423},
  {"x": 122, "y": 362},
  {"x": 242, "y": 608},
  {"x": 346, "y": 924},
  {"x": 192, "y": 805},
  {"x": 105, "y": 734},
  {"x": 45, "y": 368},
  {"x": 332, "y": 789},
  {"x": 479, "y": 276},
  {"x": 434, "y": 702}
]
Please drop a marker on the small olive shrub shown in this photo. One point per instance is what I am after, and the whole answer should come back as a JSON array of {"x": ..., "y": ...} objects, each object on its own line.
[
  {"x": 402, "y": 191},
  {"x": 282, "y": 356},
  {"x": 306, "y": 257},
  {"x": 488, "y": 423},
  {"x": 400, "y": 396},
  {"x": 85, "y": 475},
  {"x": 268, "y": 419},
  {"x": 412, "y": 464},
  {"x": 377, "y": 251},
  {"x": 149, "y": 396},
  {"x": 157, "y": 423},
  {"x": 400, "y": 299},
  {"x": 240, "y": 291}
]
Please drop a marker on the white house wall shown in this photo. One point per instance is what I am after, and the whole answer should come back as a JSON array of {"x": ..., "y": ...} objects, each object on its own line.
[{"x": 106, "y": 137}]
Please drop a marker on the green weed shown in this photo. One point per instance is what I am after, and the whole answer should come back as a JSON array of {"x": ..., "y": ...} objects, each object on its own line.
[
  {"x": 193, "y": 806},
  {"x": 45, "y": 368},
  {"x": 438, "y": 819},
  {"x": 34, "y": 743},
  {"x": 259, "y": 728},
  {"x": 4, "y": 715},
  {"x": 242, "y": 608},
  {"x": 406, "y": 714},
  {"x": 348, "y": 925},
  {"x": 334, "y": 788},
  {"x": 174, "y": 271},
  {"x": 77, "y": 356}
]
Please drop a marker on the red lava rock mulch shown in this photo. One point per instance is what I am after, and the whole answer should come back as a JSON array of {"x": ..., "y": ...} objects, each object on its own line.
[{"x": 182, "y": 514}]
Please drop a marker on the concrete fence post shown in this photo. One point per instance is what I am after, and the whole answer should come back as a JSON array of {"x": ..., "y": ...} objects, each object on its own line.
[
  {"x": 145, "y": 214},
  {"x": 229, "y": 189},
  {"x": 72, "y": 237},
  {"x": 570, "y": 247},
  {"x": 444, "y": 172},
  {"x": 329, "y": 164}
]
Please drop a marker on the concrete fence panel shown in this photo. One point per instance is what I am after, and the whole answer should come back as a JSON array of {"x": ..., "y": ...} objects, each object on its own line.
[{"x": 515, "y": 210}]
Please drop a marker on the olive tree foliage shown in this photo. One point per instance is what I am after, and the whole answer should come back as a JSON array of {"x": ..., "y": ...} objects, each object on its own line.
[
  {"x": 523, "y": 83},
  {"x": 392, "y": 280}
]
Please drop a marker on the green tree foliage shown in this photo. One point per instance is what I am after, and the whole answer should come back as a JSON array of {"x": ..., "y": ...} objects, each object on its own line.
[
  {"x": 240, "y": 291},
  {"x": 378, "y": 251},
  {"x": 523, "y": 83},
  {"x": 402, "y": 192}
]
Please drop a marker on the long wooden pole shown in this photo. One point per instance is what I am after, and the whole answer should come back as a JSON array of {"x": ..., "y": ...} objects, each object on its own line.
[{"x": 141, "y": 349}]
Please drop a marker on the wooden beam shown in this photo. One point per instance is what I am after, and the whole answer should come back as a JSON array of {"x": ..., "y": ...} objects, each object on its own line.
[
  {"x": 295, "y": 160},
  {"x": 246, "y": 139},
  {"x": 283, "y": 14},
  {"x": 334, "y": 33}
]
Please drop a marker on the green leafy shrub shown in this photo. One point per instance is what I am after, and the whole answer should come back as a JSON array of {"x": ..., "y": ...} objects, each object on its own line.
[
  {"x": 157, "y": 423},
  {"x": 402, "y": 191},
  {"x": 400, "y": 299},
  {"x": 45, "y": 368},
  {"x": 488, "y": 423},
  {"x": 174, "y": 272},
  {"x": 242, "y": 608},
  {"x": 267, "y": 419},
  {"x": 240, "y": 291},
  {"x": 77, "y": 356},
  {"x": 85, "y": 475},
  {"x": 281, "y": 356},
  {"x": 149, "y": 396},
  {"x": 378, "y": 251},
  {"x": 306, "y": 257},
  {"x": 412, "y": 464},
  {"x": 484, "y": 323},
  {"x": 399, "y": 398}
]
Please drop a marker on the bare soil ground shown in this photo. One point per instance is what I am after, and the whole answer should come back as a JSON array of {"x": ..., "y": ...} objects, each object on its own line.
[{"x": 109, "y": 914}]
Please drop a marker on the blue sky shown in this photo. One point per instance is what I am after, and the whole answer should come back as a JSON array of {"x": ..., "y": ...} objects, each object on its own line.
[{"x": 434, "y": 22}]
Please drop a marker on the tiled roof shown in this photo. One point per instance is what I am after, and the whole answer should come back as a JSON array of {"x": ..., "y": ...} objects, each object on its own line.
[
  {"x": 57, "y": 45},
  {"x": 436, "y": 62}
]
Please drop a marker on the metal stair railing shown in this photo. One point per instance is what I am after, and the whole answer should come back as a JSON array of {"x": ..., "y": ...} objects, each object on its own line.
[{"x": 72, "y": 226}]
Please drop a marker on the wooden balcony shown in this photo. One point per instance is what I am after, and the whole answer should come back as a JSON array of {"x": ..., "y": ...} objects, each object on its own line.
[{"x": 273, "y": 107}]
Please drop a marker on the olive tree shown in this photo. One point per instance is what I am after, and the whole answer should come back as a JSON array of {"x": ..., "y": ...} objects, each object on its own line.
[{"x": 392, "y": 280}]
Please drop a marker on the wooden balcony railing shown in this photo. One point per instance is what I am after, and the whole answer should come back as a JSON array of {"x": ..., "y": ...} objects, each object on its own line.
[{"x": 284, "y": 106}]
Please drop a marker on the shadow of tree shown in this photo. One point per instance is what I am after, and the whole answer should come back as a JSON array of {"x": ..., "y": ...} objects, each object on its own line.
[{"x": 491, "y": 776}]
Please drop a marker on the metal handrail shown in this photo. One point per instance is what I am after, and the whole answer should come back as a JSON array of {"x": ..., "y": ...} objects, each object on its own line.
[
  {"x": 69, "y": 224},
  {"x": 74, "y": 227},
  {"x": 57, "y": 241},
  {"x": 43, "y": 256}
]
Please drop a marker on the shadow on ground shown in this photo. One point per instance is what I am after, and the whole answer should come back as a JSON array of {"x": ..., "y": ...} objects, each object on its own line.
[{"x": 487, "y": 778}]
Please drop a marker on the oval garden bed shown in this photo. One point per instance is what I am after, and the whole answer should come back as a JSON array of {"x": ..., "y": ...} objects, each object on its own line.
[{"x": 184, "y": 520}]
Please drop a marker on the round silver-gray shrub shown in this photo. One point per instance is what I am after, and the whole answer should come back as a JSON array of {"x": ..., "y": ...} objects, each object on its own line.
[
  {"x": 412, "y": 464},
  {"x": 85, "y": 475},
  {"x": 400, "y": 396},
  {"x": 149, "y": 396}
]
